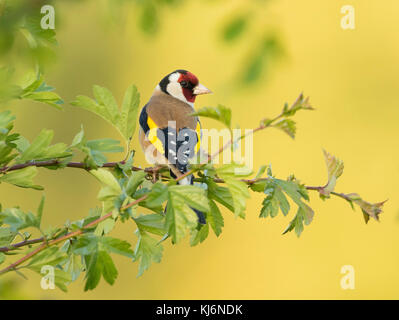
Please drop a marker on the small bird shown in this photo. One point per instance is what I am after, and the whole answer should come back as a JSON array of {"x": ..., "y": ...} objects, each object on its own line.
[{"x": 168, "y": 133}]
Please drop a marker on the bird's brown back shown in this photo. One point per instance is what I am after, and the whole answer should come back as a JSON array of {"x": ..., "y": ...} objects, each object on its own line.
[{"x": 163, "y": 108}]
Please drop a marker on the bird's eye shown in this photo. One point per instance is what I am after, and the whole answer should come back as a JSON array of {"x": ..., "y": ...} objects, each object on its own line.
[{"x": 184, "y": 84}]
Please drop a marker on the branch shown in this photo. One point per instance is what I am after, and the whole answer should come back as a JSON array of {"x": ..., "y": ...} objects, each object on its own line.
[
  {"x": 231, "y": 142},
  {"x": 47, "y": 244}
]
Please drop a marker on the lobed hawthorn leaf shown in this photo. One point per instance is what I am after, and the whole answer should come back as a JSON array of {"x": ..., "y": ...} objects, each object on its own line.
[
  {"x": 301, "y": 103},
  {"x": 215, "y": 218},
  {"x": 276, "y": 191},
  {"x": 105, "y": 98},
  {"x": 219, "y": 113},
  {"x": 107, "y": 179},
  {"x": 117, "y": 246},
  {"x": 335, "y": 168},
  {"x": 7, "y": 235},
  {"x": 220, "y": 194},
  {"x": 40, "y": 212},
  {"x": 369, "y": 210},
  {"x": 95, "y": 149},
  {"x": 74, "y": 266},
  {"x": 21, "y": 178},
  {"x": 157, "y": 195},
  {"x": 275, "y": 199},
  {"x": 136, "y": 179},
  {"x": 99, "y": 263},
  {"x": 130, "y": 107},
  {"x": 37, "y": 90},
  {"x": 40, "y": 148},
  {"x": 17, "y": 220},
  {"x": 179, "y": 213},
  {"x": 288, "y": 126},
  {"x": 152, "y": 223},
  {"x": 50, "y": 256},
  {"x": 6, "y": 121},
  {"x": 199, "y": 234},
  {"x": 95, "y": 251},
  {"x": 107, "y": 108},
  {"x": 237, "y": 188},
  {"x": 304, "y": 215},
  {"x": 147, "y": 251}
]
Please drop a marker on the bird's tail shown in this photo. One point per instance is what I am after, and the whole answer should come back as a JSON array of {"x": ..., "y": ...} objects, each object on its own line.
[{"x": 179, "y": 148}]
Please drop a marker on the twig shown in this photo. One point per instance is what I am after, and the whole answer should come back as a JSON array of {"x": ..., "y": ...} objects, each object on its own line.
[{"x": 65, "y": 237}]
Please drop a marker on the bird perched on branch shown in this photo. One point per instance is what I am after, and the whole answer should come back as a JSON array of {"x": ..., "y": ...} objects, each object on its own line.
[{"x": 168, "y": 133}]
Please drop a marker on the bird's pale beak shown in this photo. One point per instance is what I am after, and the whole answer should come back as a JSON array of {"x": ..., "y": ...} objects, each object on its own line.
[{"x": 201, "y": 89}]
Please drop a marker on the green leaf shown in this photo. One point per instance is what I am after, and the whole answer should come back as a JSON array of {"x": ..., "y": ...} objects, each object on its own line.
[
  {"x": 237, "y": 188},
  {"x": 93, "y": 271},
  {"x": 303, "y": 215},
  {"x": 149, "y": 20},
  {"x": 97, "y": 108},
  {"x": 95, "y": 149},
  {"x": 288, "y": 126},
  {"x": 193, "y": 196},
  {"x": 85, "y": 245},
  {"x": 199, "y": 234},
  {"x": 152, "y": 223},
  {"x": 105, "y": 98},
  {"x": 275, "y": 199},
  {"x": 99, "y": 263},
  {"x": 117, "y": 246},
  {"x": 220, "y": 194},
  {"x": 107, "y": 179},
  {"x": 147, "y": 251},
  {"x": 136, "y": 178},
  {"x": 73, "y": 266},
  {"x": 335, "y": 168},
  {"x": 130, "y": 107},
  {"x": 235, "y": 28},
  {"x": 260, "y": 172},
  {"x": 78, "y": 139},
  {"x": 6, "y": 120},
  {"x": 156, "y": 197},
  {"x": 2, "y": 257},
  {"x": 267, "y": 50},
  {"x": 7, "y": 235},
  {"x": 220, "y": 113},
  {"x": 22, "y": 178},
  {"x": 301, "y": 103},
  {"x": 51, "y": 98},
  {"x": 95, "y": 250},
  {"x": 179, "y": 215},
  {"x": 40, "y": 148},
  {"x": 369, "y": 210},
  {"x": 215, "y": 218},
  {"x": 50, "y": 256},
  {"x": 40, "y": 212}
]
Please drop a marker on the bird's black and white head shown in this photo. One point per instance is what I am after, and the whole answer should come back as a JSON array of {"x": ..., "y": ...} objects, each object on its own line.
[{"x": 182, "y": 85}]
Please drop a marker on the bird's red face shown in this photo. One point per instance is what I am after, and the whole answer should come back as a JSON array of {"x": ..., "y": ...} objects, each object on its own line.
[
  {"x": 183, "y": 85},
  {"x": 188, "y": 82}
]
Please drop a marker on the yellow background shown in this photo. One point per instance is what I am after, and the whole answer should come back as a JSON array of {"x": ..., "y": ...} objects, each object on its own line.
[{"x": 352, "y": 79}]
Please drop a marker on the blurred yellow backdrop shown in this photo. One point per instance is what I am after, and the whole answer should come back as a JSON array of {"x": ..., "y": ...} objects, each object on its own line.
[{"x": 352, "y": 79}]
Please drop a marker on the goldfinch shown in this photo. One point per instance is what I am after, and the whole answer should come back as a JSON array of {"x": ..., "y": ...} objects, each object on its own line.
[{"x": 168, "y": 133}]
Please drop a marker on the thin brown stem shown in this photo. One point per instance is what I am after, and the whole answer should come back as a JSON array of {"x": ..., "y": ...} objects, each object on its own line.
[{"x": 76, "y": 233}]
